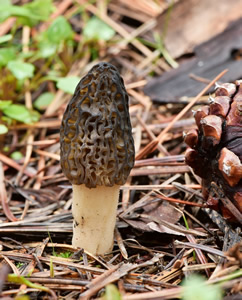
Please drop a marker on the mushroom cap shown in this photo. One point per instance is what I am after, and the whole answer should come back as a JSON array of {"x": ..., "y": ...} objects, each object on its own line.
[{"x": 96, "y": 142}]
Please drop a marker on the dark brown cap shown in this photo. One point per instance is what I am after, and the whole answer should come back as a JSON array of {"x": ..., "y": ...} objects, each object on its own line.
[{"x": 96, "y": 141}]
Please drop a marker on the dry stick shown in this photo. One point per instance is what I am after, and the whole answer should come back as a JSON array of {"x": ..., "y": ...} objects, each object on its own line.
[
  {"x": 60, "y": 97},
  {"x": 7, "y": 25},
  {"x": 198, "y": 78},
  {"x": 202, "y": 247},
  {"x": 153, "y": 145},
  {"x": 157, "y": 187},
  {"x": 48, "y": 154},
  {"x": 10, "y": 162},
  {"x": 5, "y": 270},
  {"x": 157, "y": 295},
  {"x": 149, "y": 25},
  {"x": 199, "y": 267},
  {"x": 117, "y": 9},
  {"x": 227, "y": 203},
  {"x": 159, "y": 170},
  {"x": 38, "y": 252},
  {"x": 112, "y": 275},
  {"x": 28, "y": 154},
  {"x": 171, "y": 226},
  {"x": 144, "y": 100},
  {"x": 161, "y": 148},
  {"x": 55, "y": 261},
  {"x": 3, "y": 197},
  {"x": 136, "y": 84},
  {"x": 59, "y": 281},
  {"x": 28, "y": 104},
  {"x": 141, "y": 202},
  {"x": 126, "y": 194},
  {"x": 120, "y": 243},
  {"x": 25, "y": 43},
  {"x": 12, "y": 265},
  {"x": 41, "y": 124},
  {"x": 41, "y": 143},
  {"x": 201, "y": 257},
  {"x": 199, "y": 223},
  {"x": 119, "y": 29},
  {"x": 60, "y": 9},
  {"x": 41, "y": 165},
  {"x": 149, "y": 59},
  {"x": 180, "y": 201},
  {"x": 25, "y": 210},
  {"x": 161, "y": 161}
]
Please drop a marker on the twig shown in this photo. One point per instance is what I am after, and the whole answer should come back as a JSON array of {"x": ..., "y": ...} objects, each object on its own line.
[
  {"x": 153, "y": 145},
  {"x": 3, "y": 197}
]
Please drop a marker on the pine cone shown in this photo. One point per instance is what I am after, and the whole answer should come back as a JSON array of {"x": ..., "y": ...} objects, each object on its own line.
[{"x": 216, "y": 147}]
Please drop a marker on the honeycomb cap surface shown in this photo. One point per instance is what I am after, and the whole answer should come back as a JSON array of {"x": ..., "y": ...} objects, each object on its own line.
[{"x": 96, "y": 142}]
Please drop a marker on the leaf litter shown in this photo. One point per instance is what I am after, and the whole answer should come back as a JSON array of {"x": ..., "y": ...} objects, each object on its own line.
[{"x": 164, "y": 231}]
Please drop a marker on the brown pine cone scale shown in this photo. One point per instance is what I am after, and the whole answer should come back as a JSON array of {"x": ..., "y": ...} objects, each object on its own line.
[{"x": 215, "y": 152}]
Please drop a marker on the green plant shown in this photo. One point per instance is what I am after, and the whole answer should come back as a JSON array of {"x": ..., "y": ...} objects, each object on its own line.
[
  {"x": 21, "y": 280},
  {"x": 111, "y": 293},
  {"x": 49, "y": 57},
  {"x": 195, "y": 288},
  {"x": 28, "y": 14},
  {"x": 36, "y": 64},
  {"x": 55, "y": 38},
  {"x": 19, "y": 265},
  {"x": 96, "y": 29},
  {"x": 96, "y": 33},
  {"x": 18, "y": 112},
  {"x": 65, "y": 254}
]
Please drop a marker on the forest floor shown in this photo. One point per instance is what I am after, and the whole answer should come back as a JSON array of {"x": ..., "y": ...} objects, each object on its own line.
[{"x": 167, "y": 245}]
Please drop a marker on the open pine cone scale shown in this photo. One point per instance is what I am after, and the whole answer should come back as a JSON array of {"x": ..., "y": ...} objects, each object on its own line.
[{"x": 215, "y": 152}]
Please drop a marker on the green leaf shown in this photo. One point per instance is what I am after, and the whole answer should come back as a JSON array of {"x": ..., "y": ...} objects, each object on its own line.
[
  {"x": 30, "y": 13},
  {"x": 50, "y": 41},
  {"x": 21, "y": 280},
  {"x": 3, "y": 129},
  {"x": 43, "y": 100},
  {"x": 41, "y": 9},
  {"x": 25, "y": 55},
  {"x": 7, "y": 54},
  {"x": 96, "y": 29},
  {"x": 195, "y": 288},
  {"x": 112, "y": 293},
  {"x": 46, "y": 49},
  {"x": 59, "y": 30},
  {"x": 20, "y": 113},
  {"x": 5, "y": 2},
  {"x": 5, "y": 38},
  {"x": 4, "y": 13},
  {"x": 52, "y": 272},
  {"x": 66, "y": 254},
  {"x": 68, "y": 84},
  {"x": 16, "y": 11},
  {"x": 22, "y": 297},
  {"x": 4, "y": 104},
  {"x": 16, "y": 155},
  {"x": 21, "y": 70}
]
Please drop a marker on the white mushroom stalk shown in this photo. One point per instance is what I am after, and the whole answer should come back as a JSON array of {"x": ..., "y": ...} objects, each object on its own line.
[
  {"x": 94, "y": 213},
  {"x": 97, "y": 154}
]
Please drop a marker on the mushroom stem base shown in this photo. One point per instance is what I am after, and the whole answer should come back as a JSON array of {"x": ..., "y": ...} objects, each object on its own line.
[{"x": 94, "y": 212}]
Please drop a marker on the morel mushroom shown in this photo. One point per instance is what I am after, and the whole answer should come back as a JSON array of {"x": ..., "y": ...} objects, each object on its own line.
[
  {"x": 97, "y": 154},
  {"x": 216, "y": 152}
]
